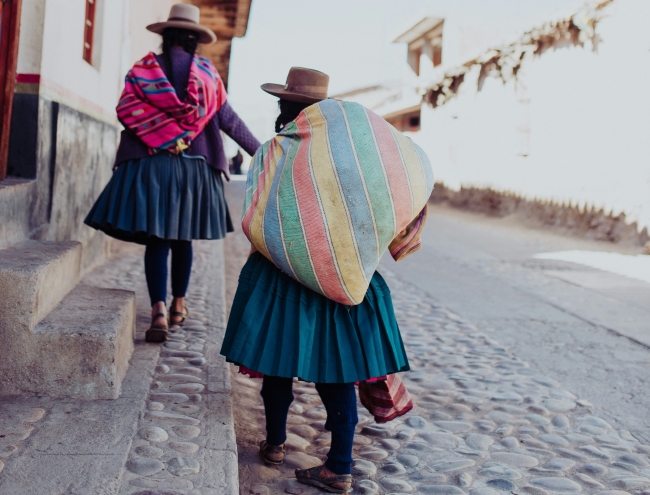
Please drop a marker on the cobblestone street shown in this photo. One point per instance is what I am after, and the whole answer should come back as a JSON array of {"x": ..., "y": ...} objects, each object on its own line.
[
  {"x": 171, "y": 430},
  {"x": 500, "y": 407},
  {"x": 486, "y": 421}
]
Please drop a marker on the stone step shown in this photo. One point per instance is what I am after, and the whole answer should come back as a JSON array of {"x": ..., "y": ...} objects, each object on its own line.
[
  {"x": 35, "y": 276},
  {"x": 80, "y": 350}
]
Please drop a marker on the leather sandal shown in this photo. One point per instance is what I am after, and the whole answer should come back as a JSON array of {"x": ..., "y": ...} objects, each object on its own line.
[
  {"x": 157, "y": 332},
  {"x": 272, "y": 454},
  {"x": 176, "y": 314},
  {"x": 340, "y": 483}
]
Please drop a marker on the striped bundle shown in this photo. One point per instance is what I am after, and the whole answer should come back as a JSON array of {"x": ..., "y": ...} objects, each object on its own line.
[
  {"x": 150, "y": 107},
  {"x": 329, "y": 193},
  {"x": 386, "y": 399}
]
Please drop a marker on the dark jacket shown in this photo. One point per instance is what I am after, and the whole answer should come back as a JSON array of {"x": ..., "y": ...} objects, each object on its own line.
[{"x": 208, "y": 143}]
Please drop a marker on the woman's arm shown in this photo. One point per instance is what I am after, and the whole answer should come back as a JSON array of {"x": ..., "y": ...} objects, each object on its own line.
[{"x": 231, "y": 124}]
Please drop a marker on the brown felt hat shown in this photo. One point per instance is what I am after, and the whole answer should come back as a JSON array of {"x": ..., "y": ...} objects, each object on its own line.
[
  {"x": 303, "y": 85},
  {"x": 183, "y": 16}
]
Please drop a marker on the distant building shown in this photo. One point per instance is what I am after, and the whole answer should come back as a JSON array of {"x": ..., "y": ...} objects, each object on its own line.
[{"x": 542, "y": 117}]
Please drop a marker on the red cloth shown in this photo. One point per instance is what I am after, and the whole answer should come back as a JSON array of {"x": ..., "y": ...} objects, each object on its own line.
[
  {"x": 253, "y": 374},
  {"x": 386, "y": 400}
]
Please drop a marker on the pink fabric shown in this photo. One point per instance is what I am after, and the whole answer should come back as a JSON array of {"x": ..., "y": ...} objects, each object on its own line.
[
  {"x": 386, "y": 400},
  {"x": 151, "y": 109}
]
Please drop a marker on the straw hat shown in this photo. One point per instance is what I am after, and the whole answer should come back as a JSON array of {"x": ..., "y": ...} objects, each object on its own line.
[
  {"x": 183, "y": 16},
  {"x": 303, "y": 85}
]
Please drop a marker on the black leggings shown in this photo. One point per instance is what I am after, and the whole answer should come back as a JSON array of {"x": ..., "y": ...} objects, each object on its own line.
[
  {"x": 340, "y": 402},
  {"x": 155, "y": 268}
]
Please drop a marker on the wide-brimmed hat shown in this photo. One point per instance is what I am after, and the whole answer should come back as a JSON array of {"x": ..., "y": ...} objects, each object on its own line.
[
  {"x": 183, "y": 16},
  {"x": 303, "y": 85}
]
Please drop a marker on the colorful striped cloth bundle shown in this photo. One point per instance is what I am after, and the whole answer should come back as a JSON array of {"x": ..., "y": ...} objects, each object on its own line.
[
  {"x": 328, "y": 195},
  {"x": 386, "y": 399},
  {"x": 150, "y": 107}
]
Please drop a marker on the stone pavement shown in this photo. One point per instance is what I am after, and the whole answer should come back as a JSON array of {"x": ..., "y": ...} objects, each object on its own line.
[
  {"x": 486, "y": 423},
  {"x": 171, "y": 430}
]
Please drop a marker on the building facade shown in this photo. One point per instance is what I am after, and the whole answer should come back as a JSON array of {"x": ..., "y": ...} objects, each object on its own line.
[
  {"x": 62, "y": 66},
  {"x": 558, "y": 116}
]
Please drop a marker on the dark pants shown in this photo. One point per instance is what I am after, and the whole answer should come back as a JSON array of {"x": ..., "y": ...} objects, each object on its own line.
[
  {"x": 155, "y": 268},
  {"x": 340, "y": 403}
]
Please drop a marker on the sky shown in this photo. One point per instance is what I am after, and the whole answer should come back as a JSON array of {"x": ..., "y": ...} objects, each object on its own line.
[{"x": 351, "y": 40}]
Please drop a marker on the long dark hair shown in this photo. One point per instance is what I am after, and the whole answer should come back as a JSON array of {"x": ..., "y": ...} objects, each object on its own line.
[
  {"x": 183, "y": 38},
  {"x": 289, "y": 110}
]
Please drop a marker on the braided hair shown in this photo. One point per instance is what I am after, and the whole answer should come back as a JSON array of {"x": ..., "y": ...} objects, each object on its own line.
[
  {"x": 183, "y": 38},
  {"x": 289, "y": 110}
]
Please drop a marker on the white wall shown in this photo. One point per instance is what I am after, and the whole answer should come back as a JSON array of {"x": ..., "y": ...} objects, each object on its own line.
[
  {"x": 30, "y": 44},
  {"x": 141, "y": 14},
  {"x": 51, "y": 45},
  {"x": 589, "y": 120}
]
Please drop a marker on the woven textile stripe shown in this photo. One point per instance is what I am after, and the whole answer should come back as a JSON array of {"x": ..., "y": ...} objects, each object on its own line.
[
  {"x": 327, "y": 196},
  {"x": 338, "y": 246},
  {"x": 150, "y": 107},
  {"x": 386, "y": 400},
  {"x": 376, "y": 183}
]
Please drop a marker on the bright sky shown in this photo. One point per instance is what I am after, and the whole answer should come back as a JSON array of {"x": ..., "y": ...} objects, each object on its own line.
[{"x": 351, "y": 40}]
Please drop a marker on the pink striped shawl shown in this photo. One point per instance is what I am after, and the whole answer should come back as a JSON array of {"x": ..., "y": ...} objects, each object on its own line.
[{"x": 150, "y": 107}]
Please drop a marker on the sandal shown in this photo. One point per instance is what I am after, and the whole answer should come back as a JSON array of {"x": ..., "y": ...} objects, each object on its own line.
[
  {"x": 272, "y": 454},
  {"x": 157, "y": 332},
  {"x": 176, "y": 314},
  {"x": 340, "y": 483}
]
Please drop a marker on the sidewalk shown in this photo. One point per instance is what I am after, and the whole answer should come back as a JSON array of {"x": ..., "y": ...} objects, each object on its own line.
[{"x": 171, "y": 431}]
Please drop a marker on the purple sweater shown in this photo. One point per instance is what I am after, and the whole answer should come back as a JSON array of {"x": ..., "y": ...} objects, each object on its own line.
[{"x": 209, "y": 143}]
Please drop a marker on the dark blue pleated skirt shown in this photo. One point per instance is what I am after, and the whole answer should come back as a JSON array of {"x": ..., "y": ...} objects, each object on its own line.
[
  {"x": 163, "y": 196},
  {"x": 279, "y": 327}
]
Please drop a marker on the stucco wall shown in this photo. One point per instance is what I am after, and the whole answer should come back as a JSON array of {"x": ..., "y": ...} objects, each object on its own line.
[
  {"x": 51, "y": 45},
  {"x": 64, "y": 129},
  {"x": 141, "y": 14},
  {"x": 582, "y": 119}
]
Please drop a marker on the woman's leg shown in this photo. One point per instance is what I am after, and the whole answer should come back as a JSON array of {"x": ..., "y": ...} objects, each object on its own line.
[
  {"x": 182, "y": 256},
  {"x": 155, "y": 269},
  {"x": 340, "y": 402},
  {"x": 277, "y": 396}
]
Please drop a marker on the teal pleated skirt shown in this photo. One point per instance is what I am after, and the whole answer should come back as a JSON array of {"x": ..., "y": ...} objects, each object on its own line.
[
  {"x": 279, "y": 327},
  {"x": 163, "y": 196}
]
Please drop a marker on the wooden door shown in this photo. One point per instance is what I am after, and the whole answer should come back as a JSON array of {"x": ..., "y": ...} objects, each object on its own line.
[{"x": 9, "y": 32}]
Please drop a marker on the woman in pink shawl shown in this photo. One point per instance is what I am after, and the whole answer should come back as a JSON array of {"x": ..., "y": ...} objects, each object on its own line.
[{"x": 167, "y": 188}]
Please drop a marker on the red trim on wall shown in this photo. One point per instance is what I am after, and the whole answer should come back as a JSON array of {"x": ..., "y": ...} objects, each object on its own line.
[
  {"x": 28, "y": 78},
  {"x": 89, "y": 31},
  {"x": 9, "y": 34}
]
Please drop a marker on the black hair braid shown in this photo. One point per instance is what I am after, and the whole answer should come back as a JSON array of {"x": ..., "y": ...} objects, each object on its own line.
[
  {"x": 289, "y": 110},
  {"x": 184, "y": 38}
]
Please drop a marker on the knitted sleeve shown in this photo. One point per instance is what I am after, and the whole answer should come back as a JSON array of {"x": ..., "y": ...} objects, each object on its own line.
[{"x": 231, "y": 124}]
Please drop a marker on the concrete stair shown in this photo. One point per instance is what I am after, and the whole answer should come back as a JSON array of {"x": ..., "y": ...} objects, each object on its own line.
[{"x": 60, "y": 339}]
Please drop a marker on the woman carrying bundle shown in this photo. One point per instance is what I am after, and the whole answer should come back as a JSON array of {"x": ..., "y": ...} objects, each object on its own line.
[
  {"x": 167, "y": 187},
  {"x": 289, "y": 317}
]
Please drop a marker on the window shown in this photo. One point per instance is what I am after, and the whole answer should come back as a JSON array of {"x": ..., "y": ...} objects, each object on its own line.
[
  {"x": 437, "y": 53},
  {"x": 425, "y": 38},
  {"x": 89, "y": 30},
  {"x": 414, "y": 55},
  {"x": 405, "y": 120}
]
